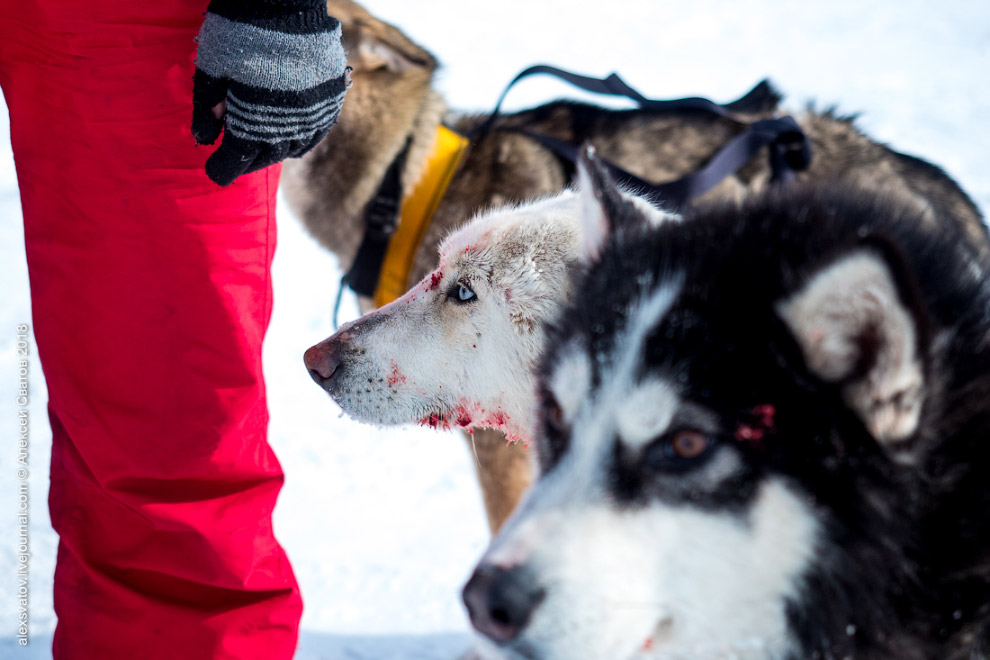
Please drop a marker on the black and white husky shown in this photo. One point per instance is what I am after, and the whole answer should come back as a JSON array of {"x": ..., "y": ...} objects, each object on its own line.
[{"x": 765, "y": 433}]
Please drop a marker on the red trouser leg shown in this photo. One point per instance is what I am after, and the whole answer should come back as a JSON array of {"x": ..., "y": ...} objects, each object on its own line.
[{"x": 151, "y": 295}]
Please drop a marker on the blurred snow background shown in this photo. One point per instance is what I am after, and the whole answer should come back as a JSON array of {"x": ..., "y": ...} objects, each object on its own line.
[{"x": 383, "y": 526}]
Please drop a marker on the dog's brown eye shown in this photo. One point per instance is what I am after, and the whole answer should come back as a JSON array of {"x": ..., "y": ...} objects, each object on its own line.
[
  {"x": 678, "y": 451},
  {"x": 689, "y": 444}
]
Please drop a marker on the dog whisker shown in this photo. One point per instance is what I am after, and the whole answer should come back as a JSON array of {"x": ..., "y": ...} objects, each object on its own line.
[{"x": 474, "y": 448}]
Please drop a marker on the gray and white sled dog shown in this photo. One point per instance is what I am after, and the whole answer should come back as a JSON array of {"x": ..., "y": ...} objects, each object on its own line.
[{"x": 764, "y": 434}]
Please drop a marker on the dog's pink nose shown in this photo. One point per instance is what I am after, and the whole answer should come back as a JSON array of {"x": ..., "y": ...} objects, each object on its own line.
[
  {"x": 501, "y": 601},
  {"x": 323, "y": 361}
]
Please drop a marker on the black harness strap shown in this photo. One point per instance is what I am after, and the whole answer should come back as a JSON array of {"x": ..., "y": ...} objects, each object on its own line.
[
  {"x": 381, "y": 217},
  {"x": 789, "y": 152},
  {"x": 613, "y": 85},
  {"x": 786, "y": 155}
]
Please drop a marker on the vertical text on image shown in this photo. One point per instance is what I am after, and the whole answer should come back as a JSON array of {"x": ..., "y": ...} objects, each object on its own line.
[{"x": 23, "y": 352}]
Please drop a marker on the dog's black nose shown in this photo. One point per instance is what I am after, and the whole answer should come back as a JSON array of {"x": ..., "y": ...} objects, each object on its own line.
[
  {"x": 323, "y": 361},
  {"x": 501, "y": 601}
]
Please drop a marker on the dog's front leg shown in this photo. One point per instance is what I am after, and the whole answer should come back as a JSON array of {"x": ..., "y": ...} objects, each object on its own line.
[{"x": 504, "y": 473}]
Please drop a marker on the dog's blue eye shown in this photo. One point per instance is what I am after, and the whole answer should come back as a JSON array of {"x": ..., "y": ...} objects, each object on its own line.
[{"x": 462, "y": 293}]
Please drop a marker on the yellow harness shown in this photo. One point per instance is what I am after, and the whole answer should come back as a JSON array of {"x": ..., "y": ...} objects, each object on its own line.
[{"x": 418, "y": 208}]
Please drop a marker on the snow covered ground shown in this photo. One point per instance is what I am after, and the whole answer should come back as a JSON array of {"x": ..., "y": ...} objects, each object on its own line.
[{"x": 383, "y": 527}]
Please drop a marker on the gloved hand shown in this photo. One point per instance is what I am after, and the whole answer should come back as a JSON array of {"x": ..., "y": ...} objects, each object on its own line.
[{"x": 279, "y": 67}]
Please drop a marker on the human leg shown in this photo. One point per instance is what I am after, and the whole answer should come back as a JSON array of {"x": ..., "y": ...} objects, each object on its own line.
[{"x": 151, "y": 296}]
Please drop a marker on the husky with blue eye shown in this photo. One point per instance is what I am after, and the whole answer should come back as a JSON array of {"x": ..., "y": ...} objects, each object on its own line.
[{"x": 765, "y": 434}]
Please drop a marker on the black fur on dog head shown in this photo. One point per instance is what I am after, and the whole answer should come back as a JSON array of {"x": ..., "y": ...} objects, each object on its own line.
[{"x": 868, "y": 395}]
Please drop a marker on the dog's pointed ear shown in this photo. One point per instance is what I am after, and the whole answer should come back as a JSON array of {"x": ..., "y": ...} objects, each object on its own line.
[
  {"x": 856, "y": 327},
  {"x": 373, "y": 44},
  {"x": 606, "y": 209},
  {"x": 598, "y": 195}
]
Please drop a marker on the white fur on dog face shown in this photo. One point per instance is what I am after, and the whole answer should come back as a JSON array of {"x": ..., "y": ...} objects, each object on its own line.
[
  {"x": 429, "y": 358},
  {"x": 646, "y": 413},
  {"x": 571, "y": 381},
  {"x": 675, "y": 577},
  {"x": 426, "y": 358},
  {"x": 679, "y": 582}
]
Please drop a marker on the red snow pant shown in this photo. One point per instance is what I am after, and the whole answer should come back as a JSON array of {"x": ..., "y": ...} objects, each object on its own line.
[{"x": 151, "y": 295}]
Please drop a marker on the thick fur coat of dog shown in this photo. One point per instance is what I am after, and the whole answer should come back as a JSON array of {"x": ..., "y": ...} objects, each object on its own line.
[
  {"x": 763, "y": 435},
  {"x": 391, "y": 102}
]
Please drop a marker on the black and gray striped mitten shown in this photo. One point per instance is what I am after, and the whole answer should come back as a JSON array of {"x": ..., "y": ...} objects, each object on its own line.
[{"x": 280, "y": 67}]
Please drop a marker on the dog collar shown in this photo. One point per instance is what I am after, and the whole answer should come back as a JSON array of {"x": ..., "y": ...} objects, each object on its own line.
[{"x": 418, "y": 207}]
